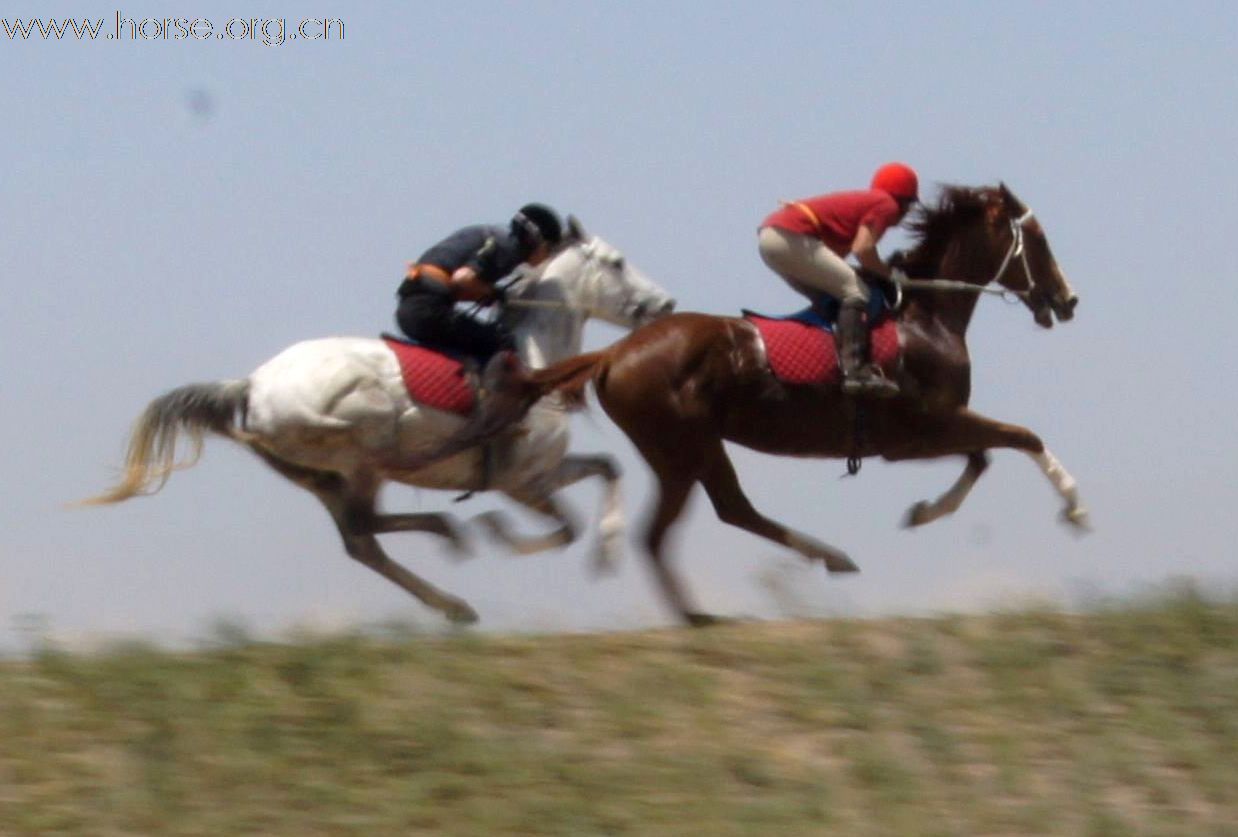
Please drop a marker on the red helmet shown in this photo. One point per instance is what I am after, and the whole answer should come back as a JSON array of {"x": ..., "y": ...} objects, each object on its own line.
[{"x": 899, "y": 179}]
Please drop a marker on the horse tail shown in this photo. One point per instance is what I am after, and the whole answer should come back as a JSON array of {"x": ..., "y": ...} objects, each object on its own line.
[
  {"x": 508, "y": 400},
  {"x": 569, "y": 378},
  {"x": 195, "y": 409}
]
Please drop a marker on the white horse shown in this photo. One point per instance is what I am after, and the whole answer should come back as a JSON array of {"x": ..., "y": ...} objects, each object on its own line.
[{"x": 334, "y": 417}]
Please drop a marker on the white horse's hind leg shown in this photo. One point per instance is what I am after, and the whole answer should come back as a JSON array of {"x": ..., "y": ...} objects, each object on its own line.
[
  {"x": 949, "y": 502},
  {"x": 1074, "y": 513}
]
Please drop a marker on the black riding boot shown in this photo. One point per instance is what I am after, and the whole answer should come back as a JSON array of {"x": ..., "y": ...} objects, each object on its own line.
[{"x": 859, "y": 376}]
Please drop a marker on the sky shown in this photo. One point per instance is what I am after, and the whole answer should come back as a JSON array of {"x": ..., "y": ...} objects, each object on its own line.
[{"x": 180, "y": 211}]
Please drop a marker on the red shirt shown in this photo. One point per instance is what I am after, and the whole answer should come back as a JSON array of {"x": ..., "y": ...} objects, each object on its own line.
[{"x": 841, "y": 214}]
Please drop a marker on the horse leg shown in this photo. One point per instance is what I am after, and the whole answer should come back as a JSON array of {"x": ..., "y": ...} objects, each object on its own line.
[
  {"x": 969, "y": 432},
  {"x": 733, "y": 507},
  {"x": 570, "y": 470},
  {"x": 436, "y": 523},
  {"x": 948, "y": 503},
  {"x": 611, "y": 518},
  {"x": 674, "y": 486},
  {"x": 352, "y": 508},
  {"x": 1074, "y": 512},
  {"x": 354, "y": 515},
  {"x": 499, "y": 526}
]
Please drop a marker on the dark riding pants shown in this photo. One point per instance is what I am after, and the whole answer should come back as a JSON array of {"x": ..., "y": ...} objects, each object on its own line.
[{"x": 427, "y": 313}]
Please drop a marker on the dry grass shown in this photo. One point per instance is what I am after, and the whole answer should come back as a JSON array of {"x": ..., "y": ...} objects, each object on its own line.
[{"x": 1124, "y": 721}]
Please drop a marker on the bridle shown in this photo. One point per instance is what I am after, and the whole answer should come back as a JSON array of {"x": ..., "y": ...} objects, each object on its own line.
[
  {"x": 1017, "y": 250},
  {"x": 636, "y": 310}
]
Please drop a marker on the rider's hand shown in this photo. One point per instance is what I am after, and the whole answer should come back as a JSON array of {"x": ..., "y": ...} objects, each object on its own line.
[
  {"x": 493, "y": 296},
  {"x": 468, "y": 286}
]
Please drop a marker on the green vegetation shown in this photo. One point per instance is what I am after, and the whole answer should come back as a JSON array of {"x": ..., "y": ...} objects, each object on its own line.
[{"x": 1123, "y": 721}]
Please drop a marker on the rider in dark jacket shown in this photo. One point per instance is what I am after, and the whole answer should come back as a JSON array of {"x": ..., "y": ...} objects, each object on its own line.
[{"x": 465, "y": 267}]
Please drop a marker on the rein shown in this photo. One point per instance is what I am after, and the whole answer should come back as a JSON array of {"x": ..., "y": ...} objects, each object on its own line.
[
  {"x": 548, "y": 303},
  {"x": 1016, "y": 250}
]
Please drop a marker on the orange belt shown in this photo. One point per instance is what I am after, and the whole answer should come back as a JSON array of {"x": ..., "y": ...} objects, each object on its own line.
[
  {"x": 431, "y": 271},
  {"x": 807, "y": 212}
]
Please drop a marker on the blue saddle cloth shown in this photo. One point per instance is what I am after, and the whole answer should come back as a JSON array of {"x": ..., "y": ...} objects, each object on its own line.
[{"x": 823, "y": 313}]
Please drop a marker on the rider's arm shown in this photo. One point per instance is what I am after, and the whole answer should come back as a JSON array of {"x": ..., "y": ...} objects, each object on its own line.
[
  {"x": 467, "y": 281},
  {"x": 468, "y": 286},
  {"x": 864, "y": 247}
]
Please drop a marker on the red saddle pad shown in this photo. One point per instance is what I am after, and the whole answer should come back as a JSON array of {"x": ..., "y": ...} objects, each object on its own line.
[
  {"x": 433, "y": 379},
  {"x": 805, "y": 354}
]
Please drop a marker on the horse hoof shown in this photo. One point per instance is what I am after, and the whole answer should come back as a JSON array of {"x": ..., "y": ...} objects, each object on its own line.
[
  {"x": 459, "y": 547},
  {"x": 459, "y": 613},
  {"x": 917, "y": 515},
  {"x": 840, "y": 564},
  {"x": 704, "y": 620},
  {"x": 605, "y": 559},
  {"x": 1077, "y": 518}
]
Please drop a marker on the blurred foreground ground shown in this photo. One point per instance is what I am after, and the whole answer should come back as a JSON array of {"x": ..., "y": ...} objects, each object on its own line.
[{"x": 1122, "y": 721}]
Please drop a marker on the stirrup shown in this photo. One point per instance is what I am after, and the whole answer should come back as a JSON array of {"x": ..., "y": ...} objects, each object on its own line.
[{"x": 869, "y": 383}]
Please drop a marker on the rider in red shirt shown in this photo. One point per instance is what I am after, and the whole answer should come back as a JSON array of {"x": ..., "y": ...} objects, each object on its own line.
[{"x": 807, "y": 241}]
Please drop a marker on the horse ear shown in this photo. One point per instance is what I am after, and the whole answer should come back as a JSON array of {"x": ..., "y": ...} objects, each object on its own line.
[
  {"x": 1013, "y": 205},
  {"x": 575, "y": 229}
]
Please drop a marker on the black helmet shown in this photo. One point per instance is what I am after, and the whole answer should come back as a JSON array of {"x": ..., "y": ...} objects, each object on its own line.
[{"x": 535, "y": 223}]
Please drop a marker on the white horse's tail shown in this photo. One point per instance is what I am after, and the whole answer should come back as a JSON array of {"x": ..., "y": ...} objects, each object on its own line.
[{"x": 195, "y": 409}]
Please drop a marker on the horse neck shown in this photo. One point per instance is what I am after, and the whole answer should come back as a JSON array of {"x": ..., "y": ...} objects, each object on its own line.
[
  {"x": 545, "y": 336},
  {"x": 965, "y": 259}
]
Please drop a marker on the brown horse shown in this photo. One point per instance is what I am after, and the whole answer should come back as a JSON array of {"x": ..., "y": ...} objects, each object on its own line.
[{"x": 680, "y": 386}]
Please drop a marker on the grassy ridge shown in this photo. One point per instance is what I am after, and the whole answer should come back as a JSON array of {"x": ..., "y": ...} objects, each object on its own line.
[{"x": 1121, "y": 722}]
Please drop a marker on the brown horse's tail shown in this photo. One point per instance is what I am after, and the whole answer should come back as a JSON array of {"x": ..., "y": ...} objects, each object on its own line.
[
  {"x": 569, "y": 378},
  {"x": 509, "y": 394},
  {"x": 195, "y": 409}
]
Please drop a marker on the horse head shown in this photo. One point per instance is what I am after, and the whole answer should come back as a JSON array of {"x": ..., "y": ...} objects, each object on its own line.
[
  {"x": 617, "y": 291},
  {"x": 585, "y": 277},
  {"x": 593, "y": 278},
  {"x": 1028, "y": 267}
]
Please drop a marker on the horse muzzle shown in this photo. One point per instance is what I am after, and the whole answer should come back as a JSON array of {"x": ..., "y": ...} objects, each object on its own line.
[
  {"x": 645, "y": 313},
  {"x": 1064, "y": 307},
  {"x": 1045, "y": 309}
]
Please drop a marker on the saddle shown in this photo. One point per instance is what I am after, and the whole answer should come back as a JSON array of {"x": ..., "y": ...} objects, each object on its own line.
[
  {"x": 801, "y": 348},
  {"x": 435, "y": 378}
]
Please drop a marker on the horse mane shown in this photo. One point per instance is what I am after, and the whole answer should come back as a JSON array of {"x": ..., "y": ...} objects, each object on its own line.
[{"x": 932, "y": 228}]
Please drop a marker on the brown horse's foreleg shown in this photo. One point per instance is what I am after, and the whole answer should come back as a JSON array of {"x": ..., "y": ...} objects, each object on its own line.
[
  {"x": 734, "y": 507},
  {"x": 948, "y": 503},
  {"x": 968, "y": 432}
]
